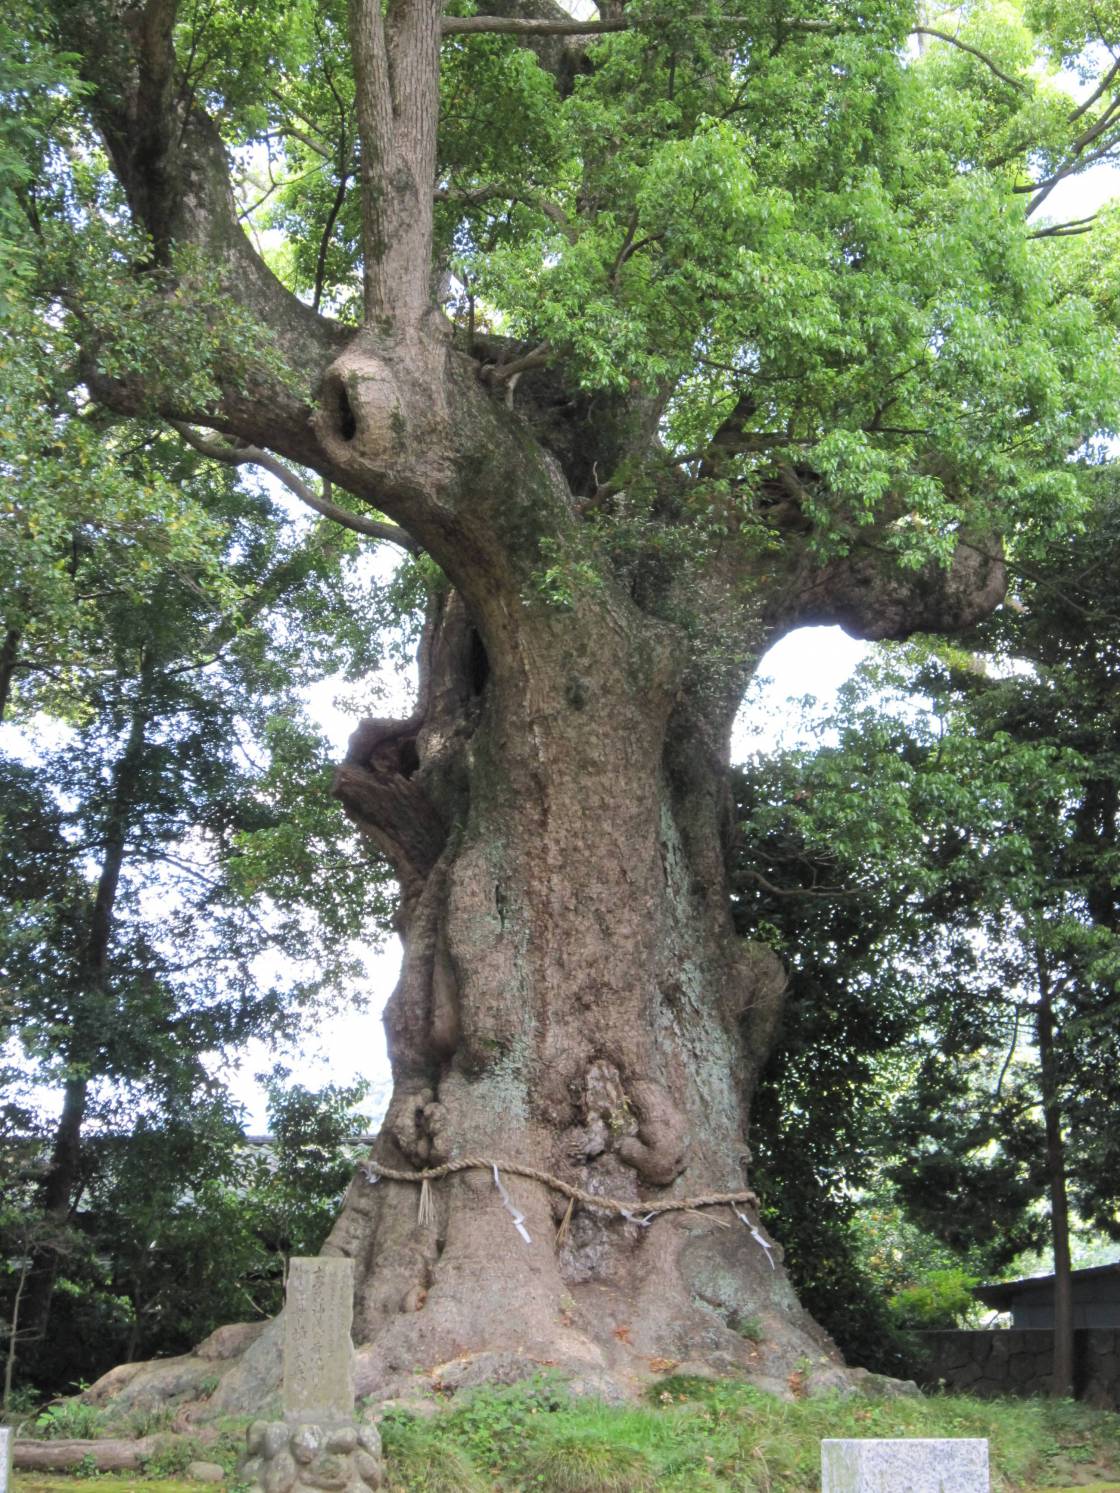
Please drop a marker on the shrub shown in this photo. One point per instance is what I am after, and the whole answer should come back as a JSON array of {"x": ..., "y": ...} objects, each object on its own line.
[
  {"x": 942, "y": 1299},
  {"x": 69, "y": 1419}
]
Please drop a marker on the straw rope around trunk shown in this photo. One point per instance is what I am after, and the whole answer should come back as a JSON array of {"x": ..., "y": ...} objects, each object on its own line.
[{"x": 375, "y": 1172}]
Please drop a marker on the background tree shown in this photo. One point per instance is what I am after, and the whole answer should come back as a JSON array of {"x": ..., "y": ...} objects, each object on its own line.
[
  {"x": 1047, "y": 908},
  {"x": 948, "y": 870},
  {"x": 183, "y": 1224},
  {"x": 744, "y": 339},
  {"x": 145, "y": 929}
]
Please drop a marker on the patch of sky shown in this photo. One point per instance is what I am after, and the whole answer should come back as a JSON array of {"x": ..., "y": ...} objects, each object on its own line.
[{"x": 795, "y": 689}]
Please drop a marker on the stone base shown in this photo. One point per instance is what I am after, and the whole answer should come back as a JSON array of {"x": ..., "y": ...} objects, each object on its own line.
[
  {"x": 287, "y": 1457},
  {"x": 914, "y": 1465}
]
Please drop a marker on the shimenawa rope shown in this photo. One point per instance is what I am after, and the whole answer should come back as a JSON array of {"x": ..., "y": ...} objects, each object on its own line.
[{"x": 373, "y": 1171}]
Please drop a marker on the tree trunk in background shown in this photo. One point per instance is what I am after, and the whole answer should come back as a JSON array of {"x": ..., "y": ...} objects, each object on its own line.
[
  {"x": 9, "y": 657},
  {"x": 88, "y": 1009},
  {"x": 1062, "y": 1387}
]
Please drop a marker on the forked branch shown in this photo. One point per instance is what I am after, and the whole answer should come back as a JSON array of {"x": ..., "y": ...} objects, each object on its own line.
[{"x": 963, "y": 46}]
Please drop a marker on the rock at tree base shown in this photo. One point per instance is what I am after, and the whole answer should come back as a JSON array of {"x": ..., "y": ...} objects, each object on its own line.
[
  {"x": 316, "y": 1445},
  {"x": 335, "y": 1459},
  {"x": 5, "y": 1459},
  {"x": 206, "y": 1472},
  {"x": 912, "y": 1465}
]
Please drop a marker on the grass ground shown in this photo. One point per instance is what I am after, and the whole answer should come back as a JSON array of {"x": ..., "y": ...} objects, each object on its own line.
[{"x": 697, "y": 1437}]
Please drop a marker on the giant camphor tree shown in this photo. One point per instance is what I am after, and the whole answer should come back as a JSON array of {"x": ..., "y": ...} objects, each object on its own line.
[{"x": 648, "y": 337}]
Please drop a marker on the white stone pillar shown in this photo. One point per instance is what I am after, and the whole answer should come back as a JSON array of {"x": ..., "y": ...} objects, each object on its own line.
[{"x": 912, "y": 1465}]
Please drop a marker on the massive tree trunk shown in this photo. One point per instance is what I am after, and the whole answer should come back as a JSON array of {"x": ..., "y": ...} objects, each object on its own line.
[{"x": 573, "y": 998}]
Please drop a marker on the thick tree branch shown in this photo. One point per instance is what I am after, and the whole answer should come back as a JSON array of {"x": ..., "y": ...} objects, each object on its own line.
[
  {"x": 500, "y": 373},
  {"x": 531, "y": 26},
  {"x": 374, "y": 106},
  {"x": 253, "y": 456},
  {"x": 528, "y": 26},
  {"x": 1078, "y": 160},
  {"x": 173, "y": 167},
  {"x": 1042, "y": 190},
  {"x": 1102, "y": 88},
  {"x": 963, "y": 46},
  {"x": 1066, "y": 230},
  {"x": 796, "y": 891},
  {"x": 305, "y": 139},
  {"x": 152, "y": 143},
  {"x": 475, "y": 196},
  {"x": 871, "y": 596}
]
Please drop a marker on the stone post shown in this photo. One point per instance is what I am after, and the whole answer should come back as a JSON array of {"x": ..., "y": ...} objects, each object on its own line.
[
  {"x": 317, "y": 1447},
  {"x": 5, "y": 1458},
  {"x": 318, "y": 1353}
]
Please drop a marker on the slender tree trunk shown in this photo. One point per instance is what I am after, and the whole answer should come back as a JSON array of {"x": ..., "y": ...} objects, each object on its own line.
[
  {"x": 133, "y": 1344},
  {"x": 1062, "y": 1387},
  {"x": 88, "y": 1012},
  {"x": 62, "y": 1175},
  {"x": 13, "y": 1330},
  {"x": 9, "y": 655}
]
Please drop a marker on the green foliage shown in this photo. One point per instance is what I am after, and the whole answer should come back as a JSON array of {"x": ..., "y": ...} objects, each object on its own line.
[
  {"x": 717, "y": 204},
  {"x": 418, "y": 1466},
  {"x": 167, "y": 830},
  {"x": 32, "y": 75},
  {"x": 896, "y": 1255},
  {"x": 22, "y": 1405},
  {"x": 751, "y": 1329},
  {"x": 182, "y": 1227},
  {"x": 564, "y": 578},
  {"x": 298, "y": 1184},
  {"x": 173, "y": 1455}
]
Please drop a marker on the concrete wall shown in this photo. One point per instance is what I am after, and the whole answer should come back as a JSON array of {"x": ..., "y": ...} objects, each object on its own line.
[{"x": 1018, "y": 1362}]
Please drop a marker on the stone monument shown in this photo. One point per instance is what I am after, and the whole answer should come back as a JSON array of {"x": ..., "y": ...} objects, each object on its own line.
[
  {"x": 5, "y": 1459},
  {"x": 318, "y": 1445},
  {"x": 911, "y": 1465}
]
